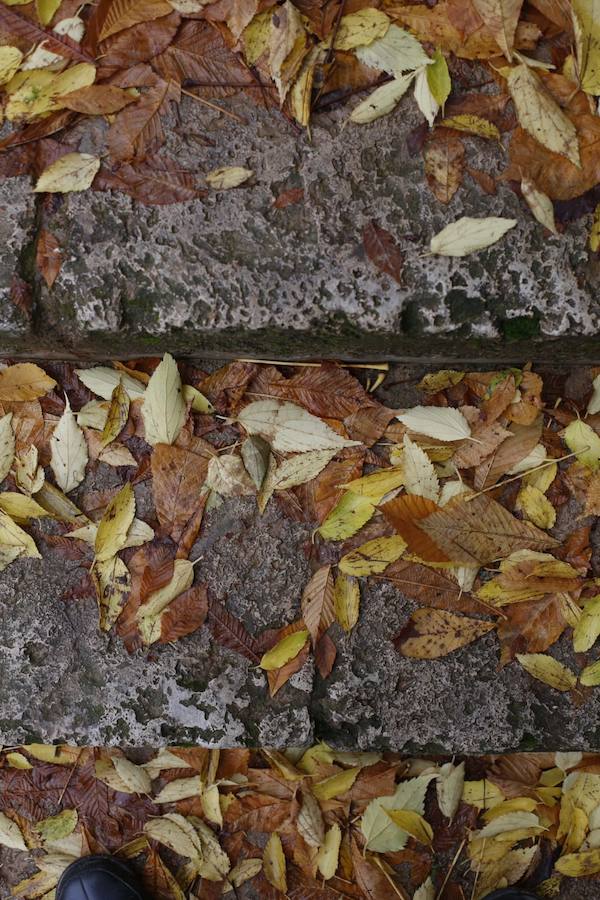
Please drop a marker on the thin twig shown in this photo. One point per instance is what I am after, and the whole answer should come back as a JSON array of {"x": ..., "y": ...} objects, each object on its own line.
[
  {"x": 380, "y": 367},
  {"x": 395, "y": 886},
  {"x": 75, "y": 764},
  {"x": 450, "y": 870},
  {"x": 544, "y": 465},
  {"x": 214, "y": 106}
]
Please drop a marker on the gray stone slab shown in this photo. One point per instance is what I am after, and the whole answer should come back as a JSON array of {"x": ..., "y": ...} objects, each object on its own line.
[
  {"x": 232, "y": 274},
  {"x": 61, "y": 678},
  {"x": 17, "y": 225}
]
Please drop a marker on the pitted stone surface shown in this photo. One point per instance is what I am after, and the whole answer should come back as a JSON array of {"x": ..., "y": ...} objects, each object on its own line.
[
  {"x": 232, "y": 273},
  {"x": 16, "y": 227},
  {"x": 61, "y": 678}
]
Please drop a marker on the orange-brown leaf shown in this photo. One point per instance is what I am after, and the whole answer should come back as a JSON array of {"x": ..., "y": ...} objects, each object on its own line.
[
  {"x": 48, "y": 256},
  {"x": 444, "y": 164},
  {"x": 382, "y": 250}
]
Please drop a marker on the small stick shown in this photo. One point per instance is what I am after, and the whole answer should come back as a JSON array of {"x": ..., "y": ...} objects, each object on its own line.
[
  {"x": 544, "y": 465},
  {"x": 75, "y": 764},
  {"x": 214, "y": 106},
  {"x": 449, "y": 872},
  {"x": 381, "y": 367},
  {"x": 396, "y": 887}
]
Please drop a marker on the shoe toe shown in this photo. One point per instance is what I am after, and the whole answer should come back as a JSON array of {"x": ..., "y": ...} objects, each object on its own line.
[{"x": 98, "y": 878}]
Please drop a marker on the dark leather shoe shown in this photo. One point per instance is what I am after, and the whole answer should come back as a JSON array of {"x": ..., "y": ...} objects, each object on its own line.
[
  {"x": 509, "y": 894},
  {"x": 98, "y": 878}
]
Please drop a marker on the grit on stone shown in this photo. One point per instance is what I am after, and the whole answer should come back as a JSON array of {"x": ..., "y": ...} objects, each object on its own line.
[{"x": 234, "y": 274}]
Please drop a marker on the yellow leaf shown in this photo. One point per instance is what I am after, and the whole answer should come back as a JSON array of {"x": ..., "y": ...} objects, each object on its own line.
[
  {"x": 287, "y": 46},
  {"x": 274, "y": 863},
  {"x": 71, "y": 172},
  {"x": 288, "y": 648},
  {"x": 10, "y": 834},
  {"x": 577, "y": 865},
  {"x": 290, "y": 428},
  {"x": 335, "y": 785},
  {"x": 472, "y": 125},
  {"x": 419, "y": 474},
  {"x": 55, "y": 828},
  {"x": 540, "y": 115},
  {"x": 396, "y": 52},
  {"x": 373, "y": 557},
  {"x": 329, "y": 853},
  {"x": 16, "y": 541},
  {"x": 199, "y": 403},
  {"x": 375, "y": 486},
  {"x": 24, "y": 381},
  {"x": 501, "y": 18},
  {"x": 438, "y": 78},
  {"x": 211, "y": 806},
  {"x": 164, "y": 410},
  {"x": 581, "y": 439},
  {"x": 431, "y": 633},
  {"x": 540, "y": 204},
  {"x": 517, "y": 804},
  {"x": 382, "y": 101},
  {"x": 468, "y": 235},
  {"x": 509, "y": 822},
  {"x": 18, "y": 761},
  {"x": 69, "y": 451},
  {"x": 549, "y": 670},
  {"x": 586, "y": 22},
  {"x": 360, "y": 29},
  {"x": 112, "y": 582},
  {"x": 590, "y": 676},
  {"x": 7, "y": 446},
  {"x": 594, "y": 239},
  {"x": 228, "y": 177},
  {"x": 587, "y": 629},
  {"x": 347, "y": 517},
  {"x": 150, "y": 613},
  {"x": 255, "y": 36},
  {"x": 346, "y": 600},
  {"x": 46, "y": 9},
  {"x": 180, "y": 789},
  {"x": 51, "y": 753},
  {"x": 413, "y": 823},
  {"x": 21, "y": 508},
  {"x": 482, "y": 794},
  {"x": 10, "y": 60},
  {"x": 115, "y": 523},
  {"x": 536, "y": 506},
  {"x": 118, "y": 413}
]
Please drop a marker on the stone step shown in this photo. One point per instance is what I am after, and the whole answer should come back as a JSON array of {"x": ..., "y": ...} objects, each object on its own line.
[
  {"x": 63, "y": 679},
  {"x": 232, "y": 274}
]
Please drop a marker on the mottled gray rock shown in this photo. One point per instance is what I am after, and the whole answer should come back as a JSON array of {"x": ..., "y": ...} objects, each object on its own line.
[
  {"x": 16, "y": 227},
  {"x": 61, "y": 678},
  {"x": 233, "y": 274}
]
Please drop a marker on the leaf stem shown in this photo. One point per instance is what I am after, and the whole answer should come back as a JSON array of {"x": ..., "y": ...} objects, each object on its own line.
[{"x": 544, "y": 465}]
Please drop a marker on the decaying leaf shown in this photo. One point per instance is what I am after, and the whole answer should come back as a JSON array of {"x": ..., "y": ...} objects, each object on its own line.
[{"x": 431, "y": 633}]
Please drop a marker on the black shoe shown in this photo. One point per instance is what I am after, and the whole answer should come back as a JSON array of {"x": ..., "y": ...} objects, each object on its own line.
[
  {"x": 98, "y": 878},
  {"x": 509, "y": 894}
]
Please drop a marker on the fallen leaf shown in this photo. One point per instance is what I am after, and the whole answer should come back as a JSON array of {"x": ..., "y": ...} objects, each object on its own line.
[
  {"x": 441, "y": 423},
  {"x": 24, "y": 381},
  {"x": 501, "y": 18},
  {"x": 444, "y": 164},
  {"x": 163, "y": 410},
  {"x": 228, "y": 177},
  {"x": 468, "y": 235},
  {"x": 431, "y": 633},
  {"x": 71, "y": 172},
  {"x": 48, "y": 257},
  {"x": 549, "y": 670},
  {"x": 383, "y": 251},
  {"x": 346, "y": 601},
  {"x": 288, "y": 648},
  {"x": 69, "y": 451}
]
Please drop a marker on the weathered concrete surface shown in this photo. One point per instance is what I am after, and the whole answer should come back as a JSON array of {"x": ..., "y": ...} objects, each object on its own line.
[
  {"x": 17, "y": 221},
  {"x": 233, "y": 274},
  {"x": 60, "y": 678}
]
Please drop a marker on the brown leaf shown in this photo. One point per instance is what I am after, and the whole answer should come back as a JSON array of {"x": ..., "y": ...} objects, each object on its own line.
[
  {"x": 137, "y": 131},
  {"x": 403, "y": 513},
  {"x": 157, "y": 181},
  {"x": 230, "y": 632},
  {"x": 123, "y": 14},
  {"x": 177, "y": 477},
  {"x": 485, "y": 440},
  {"x": 319, "y": 496},
  {"x": 140, "y": 43},
  {"x": 14, "y": 25},
  {"x": 383, "y": 251},
  {"x": 431, "y": 633},
  {"x": 199, "y": 56},
  {"x": 97, "y": 100},
  {"x": 48, "y": 256},
  {"x": 317, "y": 603},
  {"x": 369, "y": 877},
  {"x": 289, "y": 198},
  {"x": 226, "y": 387},
  {"x": 510, "y": 452},
  {"x": 277, "y": 678},
  {"x": 151, "y": 568},
  {"x": 501, "y": 18},
  {"x": 431, "y": 587},
  {"x": 530, "y": 627},
  {"x": 444, "y": 164},
  {"x": 325, "y": 654},
  {"x": 185, "y": 614},
  {"x": 327, "y": 391},
  {"x": 485, "y": 181}
]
